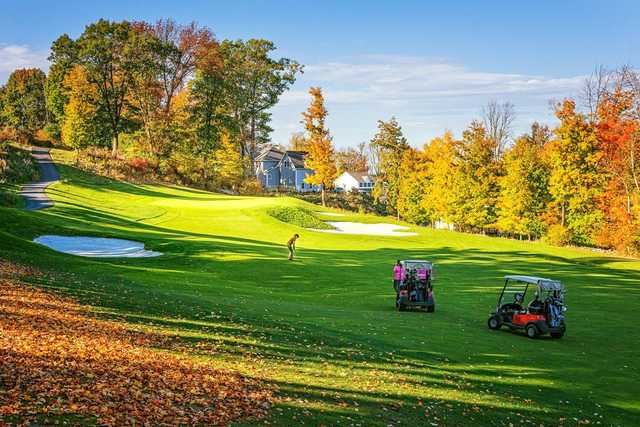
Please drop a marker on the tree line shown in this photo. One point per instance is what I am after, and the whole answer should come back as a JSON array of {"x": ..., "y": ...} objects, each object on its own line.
[
  {"x": 578, "y": 183},
  {"x": 170, "y": 97}
]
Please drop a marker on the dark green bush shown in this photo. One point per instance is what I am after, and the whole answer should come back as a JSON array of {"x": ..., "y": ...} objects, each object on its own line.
[{"x": 298, "y": 216}]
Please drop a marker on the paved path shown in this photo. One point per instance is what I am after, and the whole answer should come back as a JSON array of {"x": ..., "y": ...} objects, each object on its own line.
[{"x": 34, "y": 194}]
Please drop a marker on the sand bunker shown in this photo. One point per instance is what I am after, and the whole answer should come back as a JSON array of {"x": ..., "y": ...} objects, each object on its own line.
[
  {"x": 96, "y": 247},
  {"x": 368, "y": 229},
  {"x": 330, "y": 214}
]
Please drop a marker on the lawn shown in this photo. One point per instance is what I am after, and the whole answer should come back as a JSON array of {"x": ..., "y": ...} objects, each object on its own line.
[{"x": 323, "y": 329}]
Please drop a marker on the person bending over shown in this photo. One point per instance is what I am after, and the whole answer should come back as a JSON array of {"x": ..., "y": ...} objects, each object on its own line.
[{"x": 291, "y": 245}]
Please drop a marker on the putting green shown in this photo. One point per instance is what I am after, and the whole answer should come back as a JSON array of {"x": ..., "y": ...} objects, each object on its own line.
[{"x": 323, "y": 328}]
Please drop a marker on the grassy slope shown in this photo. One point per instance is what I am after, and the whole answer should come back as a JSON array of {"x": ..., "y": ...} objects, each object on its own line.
[{"x": 324, "y": 329}]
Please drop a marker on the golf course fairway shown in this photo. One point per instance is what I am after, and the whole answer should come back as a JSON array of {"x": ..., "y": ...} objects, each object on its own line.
[{"x": 323, "y": 329}]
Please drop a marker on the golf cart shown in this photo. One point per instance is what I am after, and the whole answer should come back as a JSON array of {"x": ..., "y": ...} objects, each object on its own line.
[
  {"x": 543, "y": 315},
  {"x": 414, "y": 289}
]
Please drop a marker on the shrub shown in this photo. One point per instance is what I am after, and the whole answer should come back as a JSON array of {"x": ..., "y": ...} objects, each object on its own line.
[
  {"x": 138, "y": 164},
  {"x": 558, "y": 235},
  {"x": 298, "y": 216},
  {"x": 250, "y": 187}
]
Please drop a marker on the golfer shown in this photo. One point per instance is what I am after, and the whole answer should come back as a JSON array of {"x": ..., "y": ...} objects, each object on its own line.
[
  {"x": 291, "y": 244},
  {"x": 397, "y": 275}
]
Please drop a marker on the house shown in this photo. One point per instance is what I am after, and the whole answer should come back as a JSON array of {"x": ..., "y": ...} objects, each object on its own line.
[
  {"x": 277, "y": 168},
  {"x": 348, "y": 181}
]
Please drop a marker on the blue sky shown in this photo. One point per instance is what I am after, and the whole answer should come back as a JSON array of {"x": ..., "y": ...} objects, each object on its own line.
[{"x": 431, "y": 64}]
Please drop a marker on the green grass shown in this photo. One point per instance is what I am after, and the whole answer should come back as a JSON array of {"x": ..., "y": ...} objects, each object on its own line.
[{"x": 323, "y": 329}]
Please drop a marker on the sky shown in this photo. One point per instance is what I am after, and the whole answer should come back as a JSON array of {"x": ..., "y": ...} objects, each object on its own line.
[{"x": 432, "y": 65}]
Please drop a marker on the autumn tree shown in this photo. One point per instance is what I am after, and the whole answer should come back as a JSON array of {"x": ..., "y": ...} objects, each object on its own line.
[
  {"x": 228, "y": 162},
  {"x": 575, "y": 182},
  {"x": 524, "y": 193},
  {"x": 23, "y": 102},
  {"x": 353, "y": 159},
  {"x": 81, "y": 124},
  {"x": 320, "y": 157},
  {"x": 443, "y": 178},
  {"x": 391, "y": 144},
  {"x": 617, "y": 130},
  {"x": 477, "y": 190},
  {"x": 414, "y": 179},
  {"x": 168, "y": 55}
]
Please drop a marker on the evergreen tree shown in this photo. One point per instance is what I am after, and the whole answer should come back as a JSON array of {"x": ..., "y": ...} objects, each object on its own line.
[{"x": 391, "y": 145}]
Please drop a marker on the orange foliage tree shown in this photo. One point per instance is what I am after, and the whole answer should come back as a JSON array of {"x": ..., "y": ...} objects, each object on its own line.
[{"x": 321, "y": 157}]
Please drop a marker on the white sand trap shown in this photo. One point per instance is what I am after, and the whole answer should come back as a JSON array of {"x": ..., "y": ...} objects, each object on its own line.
[
  {"x": 331, "y": 214},
  {"x": 368, "y": 229},
  {"x": 96, "y": 247}
]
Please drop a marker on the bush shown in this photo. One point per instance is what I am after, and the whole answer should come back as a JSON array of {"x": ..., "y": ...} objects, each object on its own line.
[
  {"x": 17, "y": 166},
  {"x": 298, "y": 216},
  {"x": 558, "y": 235},
  {"x": 251, "y": 187}
]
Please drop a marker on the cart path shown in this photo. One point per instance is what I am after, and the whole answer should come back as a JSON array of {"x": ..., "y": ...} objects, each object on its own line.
[{"x": 34, "y": 194}]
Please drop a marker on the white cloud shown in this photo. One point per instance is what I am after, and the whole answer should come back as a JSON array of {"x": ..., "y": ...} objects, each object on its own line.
[
  {"x": 17, "y": 56},
  {"x": 427, "y": 95}
]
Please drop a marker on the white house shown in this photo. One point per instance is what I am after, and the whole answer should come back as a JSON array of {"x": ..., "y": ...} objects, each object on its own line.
[{"x": 361, "y": 181}]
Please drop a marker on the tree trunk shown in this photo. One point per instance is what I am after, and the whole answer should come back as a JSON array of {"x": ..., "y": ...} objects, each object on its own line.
[
  {"x": 562, "y": 215},
  {"x": 114, "y": 146},
  {"x": 324, "y": 203}
]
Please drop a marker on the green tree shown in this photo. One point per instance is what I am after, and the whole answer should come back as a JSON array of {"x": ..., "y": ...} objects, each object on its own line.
[
  {"x": 106, "y": 51},
  {"x": 207, "y": 115},
  {"x": 23, "y": 102},
  {"x": 391, "y": 145},
  {"x": 254, "y": 82},
  {"x": 63, "y": 57},
  {"x": 524, "y": 193}
]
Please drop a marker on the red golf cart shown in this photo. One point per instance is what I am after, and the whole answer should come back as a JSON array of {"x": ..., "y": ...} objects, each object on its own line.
[
  {"x": 415, "y": 287},
  {"x": 544, "y": 314}
]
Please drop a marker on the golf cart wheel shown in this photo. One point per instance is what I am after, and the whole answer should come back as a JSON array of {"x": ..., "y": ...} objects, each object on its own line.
[
  {"x": 431, "y": 309},
  {"x": 401, "y": 307},
  {"x": 532, "y": 331},
  {"x": 494, "y": 322},
  {"x": 557, "y": 335}
]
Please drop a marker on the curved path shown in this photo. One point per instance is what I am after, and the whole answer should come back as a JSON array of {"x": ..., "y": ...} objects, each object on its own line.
[{"x": 34, "y": 194}]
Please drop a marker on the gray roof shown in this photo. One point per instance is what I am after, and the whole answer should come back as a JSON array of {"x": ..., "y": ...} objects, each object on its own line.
[
  {"x": 270, "y": 154},
  {"x": 297, "y": 158},
  {"x": 547, "y": 284}
]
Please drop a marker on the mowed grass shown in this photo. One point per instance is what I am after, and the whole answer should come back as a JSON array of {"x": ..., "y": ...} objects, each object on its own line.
[{"x": 323, "y": 329}]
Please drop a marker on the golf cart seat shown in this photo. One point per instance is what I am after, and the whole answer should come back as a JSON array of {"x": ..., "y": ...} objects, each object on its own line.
[{"x": 515, "y": 306}]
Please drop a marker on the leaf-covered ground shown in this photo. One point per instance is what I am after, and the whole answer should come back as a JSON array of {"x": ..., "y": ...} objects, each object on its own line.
[{"x": 57, "y": 359}]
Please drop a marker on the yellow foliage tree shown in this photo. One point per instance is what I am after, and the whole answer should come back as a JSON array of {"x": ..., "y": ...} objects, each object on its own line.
[
  {"x": 228, "y": 161},
  {"x": 320, "y": 156},
  {"x": 79, "y": 127}
]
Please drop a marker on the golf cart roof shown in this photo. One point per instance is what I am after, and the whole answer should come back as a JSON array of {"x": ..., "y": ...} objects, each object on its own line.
[
  {"x": 545, "y": 284},
  {"x": 416, "y": 261}
]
